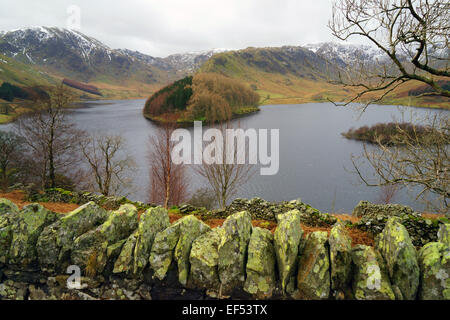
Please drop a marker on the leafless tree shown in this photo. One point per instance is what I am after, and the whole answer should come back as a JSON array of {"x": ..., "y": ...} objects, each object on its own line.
[
  {"x": 413, "y": 35},
  {"x": 12, "y": 150},
  {"x": 224, "y": 178},
  {"x": 388, "y": 193},
  {"x": 168, "y": 183},
  {"x": 110, "y": 167},
  {"x": 51, "y": 137},
  {"x": 419, "y": 163}
]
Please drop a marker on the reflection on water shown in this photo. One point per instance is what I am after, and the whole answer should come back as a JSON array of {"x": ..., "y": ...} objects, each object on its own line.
[{"x": 315, "y": 160}]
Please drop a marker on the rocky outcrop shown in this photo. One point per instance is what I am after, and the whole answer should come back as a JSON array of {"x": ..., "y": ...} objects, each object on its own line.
[
  {"x": 125, "y": 263},
  {"x": 124, "y": 255},
  {"x": 55, "y": 242},
  {"x": 204, "y": 260},
  {"x": 90, "y": 250},
  {"x": 260, "y": 209},
  {"x": 365, "y": 208},
  {"x": 261, "y": 263},
  {"x": 340, "y": 259},
  {"x": 375, "y": 216},
  {"x": 434, "y": 261},
  {"x": 138, "y": 246},
  {"x": 313, "y": 279},
  {"x": 27, "y": 227},
  {"x": 174, "y": 244},
  {"x": 7, "y": 206},
  {"x": 82, "y": 197},
  {"x": 401, "y": 259},
  {"x": 287, "y": 240},
  {"x": 370, "y": 277},
  {"x": 7, "y": 212},
  {"x": 232, "y": 250}
]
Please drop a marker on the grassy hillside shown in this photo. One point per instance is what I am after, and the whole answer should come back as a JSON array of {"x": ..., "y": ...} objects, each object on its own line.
[
  {"x": 294, "y": 75},
  {"x": 19, "y": 73}
]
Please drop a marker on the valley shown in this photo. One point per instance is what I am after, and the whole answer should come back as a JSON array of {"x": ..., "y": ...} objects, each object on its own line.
[{"x": 45, "y": 56}]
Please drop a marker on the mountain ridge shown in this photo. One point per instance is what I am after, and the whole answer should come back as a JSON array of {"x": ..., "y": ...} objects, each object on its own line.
[{"x": 287, "y": 74}]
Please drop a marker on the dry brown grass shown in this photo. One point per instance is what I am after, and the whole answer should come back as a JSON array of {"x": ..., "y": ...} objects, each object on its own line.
[{"x": 18, "y": 198}]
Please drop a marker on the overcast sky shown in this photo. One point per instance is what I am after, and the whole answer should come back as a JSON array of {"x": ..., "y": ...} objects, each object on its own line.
[{"x": 163, "y": 27}]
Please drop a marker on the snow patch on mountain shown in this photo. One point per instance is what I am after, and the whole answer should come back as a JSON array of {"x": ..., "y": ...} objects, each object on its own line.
[{"x": 347, "y": 54}]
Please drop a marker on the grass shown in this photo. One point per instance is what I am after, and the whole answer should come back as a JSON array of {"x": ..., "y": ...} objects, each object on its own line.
[
  {"x": 287, "y": 88},
  {"x": 5, "y": 118}
]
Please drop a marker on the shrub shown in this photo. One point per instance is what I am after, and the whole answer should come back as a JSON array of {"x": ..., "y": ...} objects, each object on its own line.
[
  {"x": 170, "y": 98},
  {"x": 203, "y": 198},
  {"x": 392, "y": 133}
]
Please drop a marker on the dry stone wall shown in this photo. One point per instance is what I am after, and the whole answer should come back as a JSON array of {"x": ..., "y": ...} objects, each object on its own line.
[{"x": 125, "y": 255}]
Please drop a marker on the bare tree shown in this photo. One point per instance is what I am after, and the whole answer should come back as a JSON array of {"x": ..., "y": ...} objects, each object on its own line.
[
  {"x": 51, "y": 137},
  {"x": 225, "y": 178},
  {"x": 388, "y": 193},
  {"x": 110, "y": 167},
  {"x": 412, "y": 34},
  {"x": 12, "y": 150},
  {"x": 420, "y": 163},
  {"x": 168, "y": 183}
]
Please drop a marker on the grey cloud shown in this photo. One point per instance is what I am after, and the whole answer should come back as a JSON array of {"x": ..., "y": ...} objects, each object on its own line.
[{"x": 163, "y": 27}]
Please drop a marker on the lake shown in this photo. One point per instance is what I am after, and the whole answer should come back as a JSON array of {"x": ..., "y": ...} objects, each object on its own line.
[{"x": 315, "y": 160}]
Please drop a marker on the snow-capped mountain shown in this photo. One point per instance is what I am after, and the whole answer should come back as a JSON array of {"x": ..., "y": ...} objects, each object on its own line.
[
  {"x": 180, "y": 62},
  {"x": 191, "y": 61},
  {"x": 72, "y": 53},
  {"x": 347, "y": 54},
  {"x": 36, "y": 44}
]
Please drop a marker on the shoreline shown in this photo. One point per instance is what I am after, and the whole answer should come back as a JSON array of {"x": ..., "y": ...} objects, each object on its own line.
[{"x": 189, "y": 124}]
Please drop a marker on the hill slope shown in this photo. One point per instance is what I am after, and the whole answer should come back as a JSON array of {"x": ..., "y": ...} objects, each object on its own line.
[
  {"x": 301, "y": 74},
  {"x": 278, "y": 75},
  {"x": 74, "y": 55}
]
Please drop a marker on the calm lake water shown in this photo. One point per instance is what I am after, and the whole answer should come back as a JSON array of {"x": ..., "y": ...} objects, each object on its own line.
[{"x": 315, "y": 160}]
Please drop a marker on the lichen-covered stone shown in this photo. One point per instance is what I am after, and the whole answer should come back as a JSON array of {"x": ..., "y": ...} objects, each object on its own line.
[
  {"x": 204, "y": 260},
  {"x": 90, "y": 249},
  {"x": 434, "y": 262},
  {"x": 8, "y": 210},
  {"x": 10, "y": 290},
  {"x": 190, "y": 229},
  {"x": 313, "y": 279},
  {"x": 151, "y": 222},
  {"x": 125, "y": 262},
  {"x": 400, "y": 255},
  {"x": 375, "y": 216},
  {"x": 233, "y": 246},
  {"x": 26, "y": 229},
  {"x": 161, "y": 255},
  {"x": 444, "y": 234},
  {"x": 365, "y": 208},
  {"x": 260, "y": 268},
  {"x": 370, "y": 278},
  {"x": 340, "y": 257},
  {"x": 7, "y": 206},
  {"x": 286, "y": 241},
  {"x": 55, "y": 242},
  {"x": 113, "y": 250},
  {"x": 174, "y": 244},
  {"x": 264, "y": 210}
]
